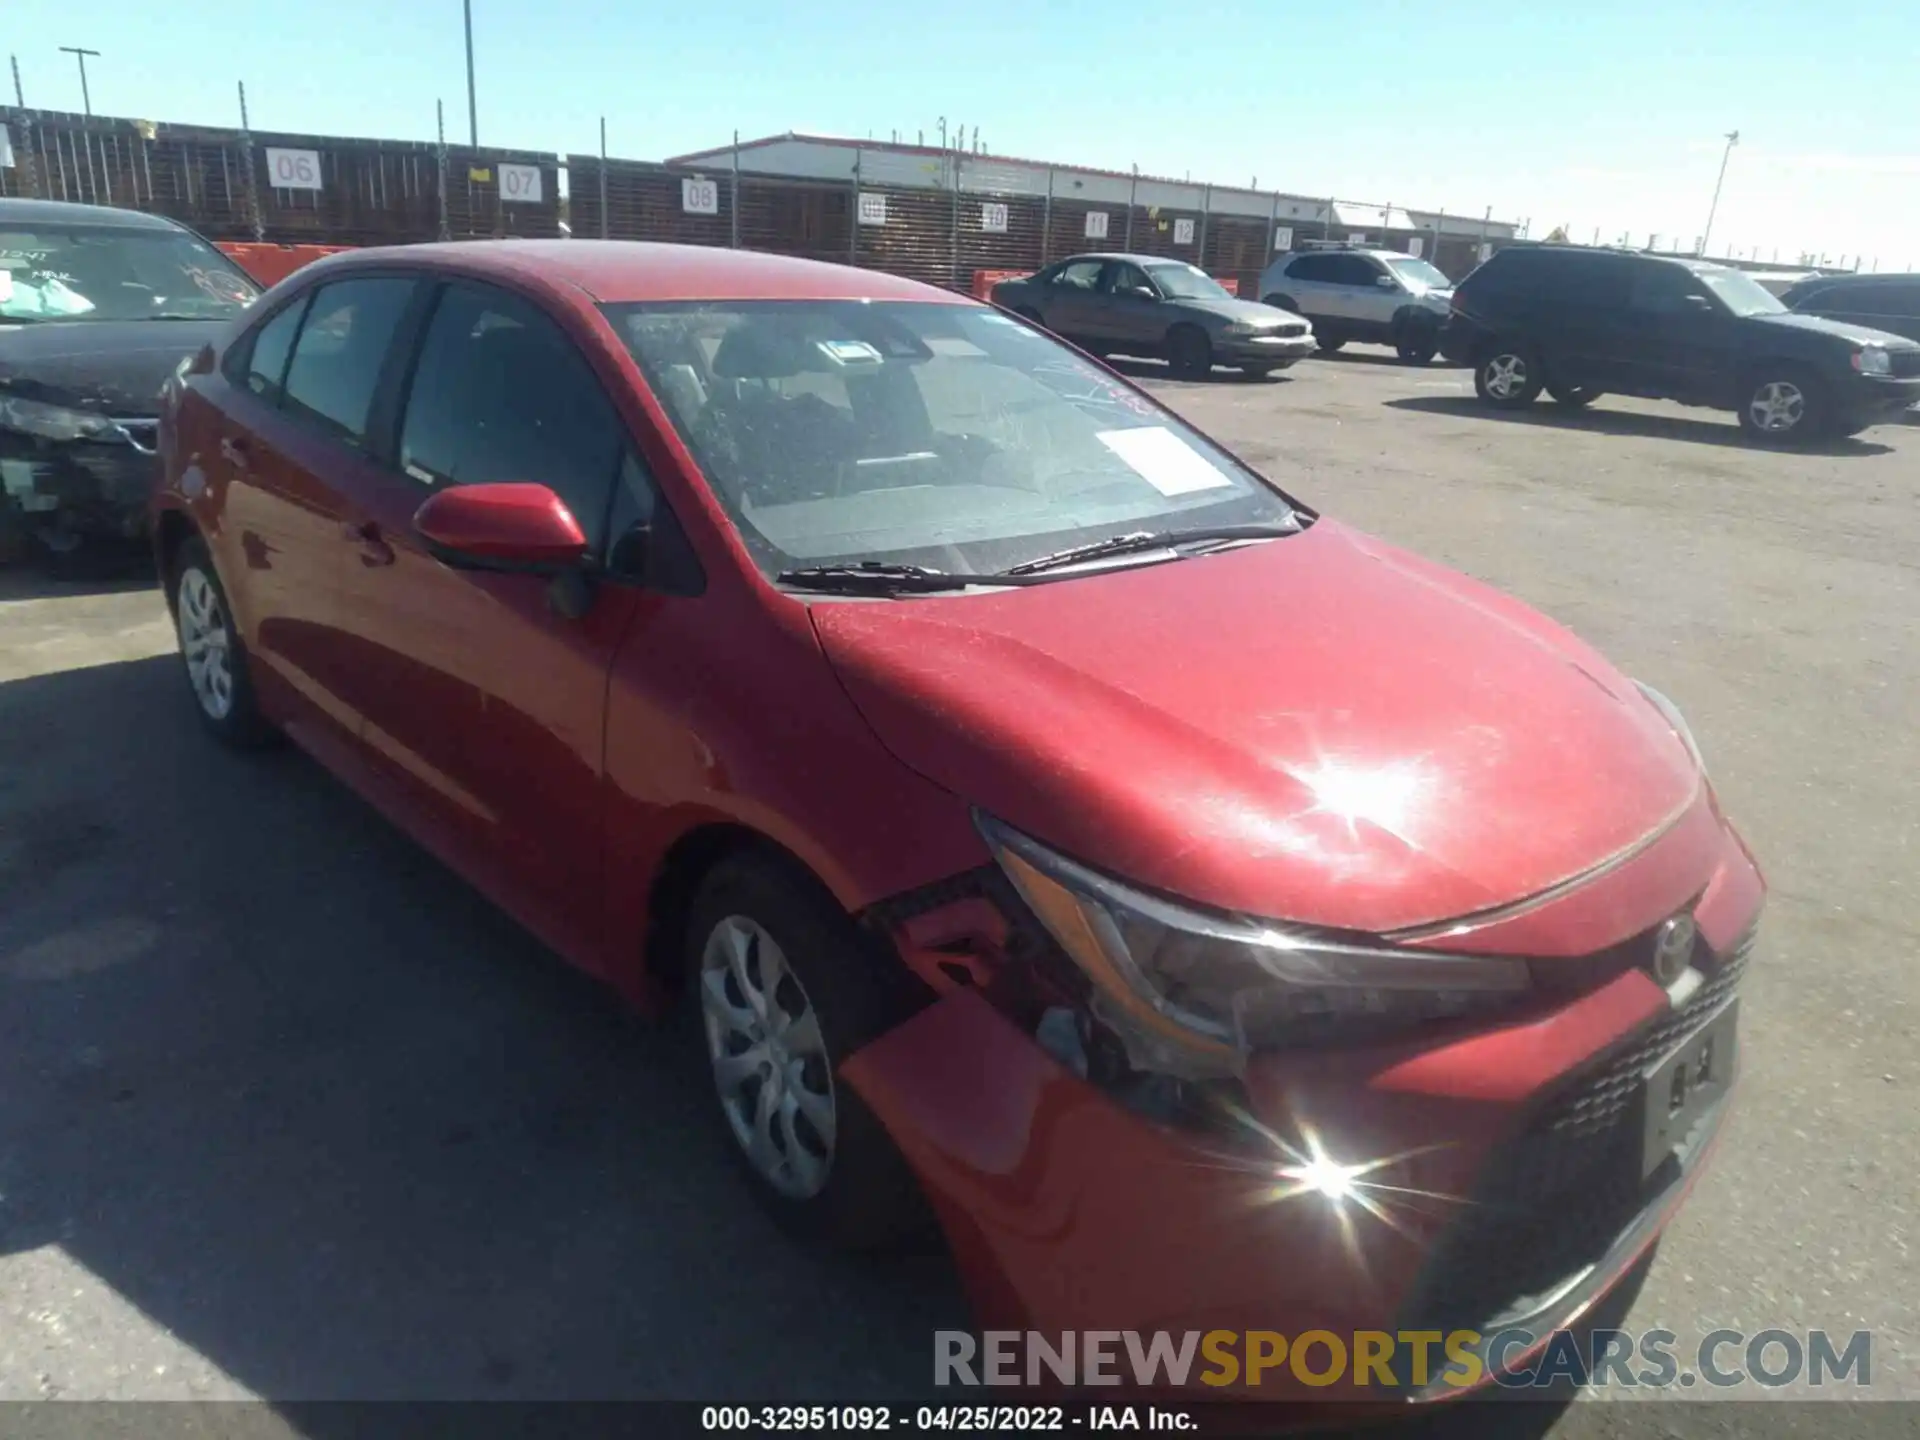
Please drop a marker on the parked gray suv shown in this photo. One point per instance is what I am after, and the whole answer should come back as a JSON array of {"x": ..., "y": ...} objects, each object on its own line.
[{"x": 1381, "y": 296}]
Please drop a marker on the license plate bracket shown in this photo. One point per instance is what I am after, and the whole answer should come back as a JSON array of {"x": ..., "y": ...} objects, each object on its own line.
[{"x": 1685, "y": 1084}]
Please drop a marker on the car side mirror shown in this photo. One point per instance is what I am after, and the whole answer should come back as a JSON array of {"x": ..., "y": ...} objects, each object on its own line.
[
  {"x": 507, "y": 527},
  {"x": 1140, "y": 292},
  {"x": 1700, "y": 303},
  {"x": 1386, "y": 282}
]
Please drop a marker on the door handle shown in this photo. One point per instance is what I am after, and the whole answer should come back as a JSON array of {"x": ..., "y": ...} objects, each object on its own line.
[
  {"x": 234, "y": 452},
  {"x": 374, "y": 550}
]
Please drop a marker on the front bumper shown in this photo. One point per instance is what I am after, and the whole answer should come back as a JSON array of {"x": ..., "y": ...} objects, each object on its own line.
[
  {"x": 1274, "y": 350},
  {"x": 1513, "y": 1168},
  {"x": 1877, "y": 397},
  {"x": 78, "y": 488}
]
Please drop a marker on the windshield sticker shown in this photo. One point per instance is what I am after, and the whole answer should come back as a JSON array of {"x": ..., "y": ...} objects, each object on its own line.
[
  {"x": 850, "y": 352},
  {"x": 1164, "y": 460},
  {"x": 220, "y": 284}
]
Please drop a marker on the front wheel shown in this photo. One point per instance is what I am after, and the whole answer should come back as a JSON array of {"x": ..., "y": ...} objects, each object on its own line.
[
  {"x": 1783, "y": 404},
  {"x": 1507, "y": 376},
  {"x": 1417, "y": 351},
  {"x": 1190, "y": 353},
  {"x": 1328, "y": 343},
  {"x": 787, "y": 988}
]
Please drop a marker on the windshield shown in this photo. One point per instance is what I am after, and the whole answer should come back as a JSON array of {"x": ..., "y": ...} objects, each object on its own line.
[
  {"x": 1740, "y": 293},
  {"x": 1419, "y": 272},
  {"x": 103, "y": 273},
  {"x": 1186, "y": 282},
  {"x": 947, "y": 436}
]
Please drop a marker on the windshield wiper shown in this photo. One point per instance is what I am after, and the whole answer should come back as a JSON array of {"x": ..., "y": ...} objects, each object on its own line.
[
  {"x": 875, "y": 577},
  {"x": 1149, "y": 540}
]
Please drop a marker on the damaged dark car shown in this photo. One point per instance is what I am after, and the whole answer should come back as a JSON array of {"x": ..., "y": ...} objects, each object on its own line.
[{"x": 98, "y": 307}]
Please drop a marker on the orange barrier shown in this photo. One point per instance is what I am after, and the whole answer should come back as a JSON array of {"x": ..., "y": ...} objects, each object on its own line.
[
  {"x": 1230, "y": 283},
  {"x": 270, "y": 264},
  {"x": 985, "y": 280}
]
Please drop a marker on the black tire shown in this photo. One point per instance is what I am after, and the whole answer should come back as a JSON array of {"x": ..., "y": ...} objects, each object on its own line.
[
  {"x": 1259, "y": 372},
  {"x": 1328, "y": 343},
  {"x": 199, "y": 605},
  {"x": 1793, "y": 394},
  {"x": 1507, "y": 375},
  {"x": 869, "y": 1199},
  {"x": 1190, "y": 353},
  {"x": 1416, "y": 339},
  {"x": 1574, "y": 397}
]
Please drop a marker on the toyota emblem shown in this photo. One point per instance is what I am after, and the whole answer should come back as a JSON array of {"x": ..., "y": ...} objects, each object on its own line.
[{"x": 1672, "y": 949}]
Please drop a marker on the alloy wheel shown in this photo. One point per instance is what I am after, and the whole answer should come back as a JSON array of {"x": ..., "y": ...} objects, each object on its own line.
[
  {"x": 769, "y": 1057},
  {"x": 1506, "y": 376},
  {"x": 1777, "y": 406},
  {"x": 206, "y": 642}
]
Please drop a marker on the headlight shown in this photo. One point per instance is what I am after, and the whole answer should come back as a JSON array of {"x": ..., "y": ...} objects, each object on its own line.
[
  {"x": 1193, "y": 994},
  {"x": 1670, "y": 712},
  {"x": 1872, "y": 360},
  {"x": 55, "y": 422},
  {"x": 1241, "y": 327}
]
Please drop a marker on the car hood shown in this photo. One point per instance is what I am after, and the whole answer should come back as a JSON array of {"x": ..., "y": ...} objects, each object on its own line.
[
  {"x": 1840, "y": 329},
  {"x": 113, "y": 366},
  {"x": 1245, "y": 312},
  {"x": 1319, "y": 728}
]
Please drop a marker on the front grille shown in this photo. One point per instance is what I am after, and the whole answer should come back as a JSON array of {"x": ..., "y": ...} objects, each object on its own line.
[
  {"x": 1291, "y": 327},
  {"x": 1906, "y": 363},
  {"x": 1553, "y": 1199}
]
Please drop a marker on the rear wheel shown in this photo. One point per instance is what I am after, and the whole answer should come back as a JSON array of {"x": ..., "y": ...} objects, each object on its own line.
[
  {"x": 786, "y": 989},
  {"x": 1190, "y": 353},
  {"x": 1574, "y": 397},
  {"x": 211, "y": 650},
  {"x": 1782, "y": 404},
  {"x": 1417, "y": 350},
  {"x": 1507, "y": 376},
  {"x": 1328, "y": 343}
]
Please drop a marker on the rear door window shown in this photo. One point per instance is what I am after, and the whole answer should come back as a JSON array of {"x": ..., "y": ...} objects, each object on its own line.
[
  {"x": 337, "y": 361},
  {"x": 1311, "y": 267},
  {"x": 1080, "y": 275}
]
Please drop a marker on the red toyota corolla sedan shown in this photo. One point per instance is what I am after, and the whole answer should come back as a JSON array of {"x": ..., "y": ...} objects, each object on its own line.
[{"x": 1216, "y": 917}]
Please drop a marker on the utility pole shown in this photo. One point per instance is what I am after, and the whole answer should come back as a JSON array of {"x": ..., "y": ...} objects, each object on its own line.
[
  {"x": 81, "y": 54},
  {"x": 473, "y": 108},
  {"x": 1733, "y": 139},
  {"x": 19, "y": 95}
]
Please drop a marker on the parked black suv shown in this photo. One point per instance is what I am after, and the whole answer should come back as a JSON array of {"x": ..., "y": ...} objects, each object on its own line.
[
  {"x": 1884, "y": 302},
  {"x": 1580, "y": 322}
]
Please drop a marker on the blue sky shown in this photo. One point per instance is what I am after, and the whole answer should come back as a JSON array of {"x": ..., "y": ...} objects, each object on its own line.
[{"x": 1604, "y": 117}]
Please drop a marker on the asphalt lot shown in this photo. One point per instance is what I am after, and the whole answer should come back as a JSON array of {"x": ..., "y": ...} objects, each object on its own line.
[{"x": 286, "y": 1110}]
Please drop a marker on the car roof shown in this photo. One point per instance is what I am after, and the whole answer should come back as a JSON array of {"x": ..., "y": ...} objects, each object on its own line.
[
  {"x": 1125, "y": 255},
  {"x": 621, "y": 271},
  {"x": 1897, "y": 277},
  {"x": 16, "y": 211}
]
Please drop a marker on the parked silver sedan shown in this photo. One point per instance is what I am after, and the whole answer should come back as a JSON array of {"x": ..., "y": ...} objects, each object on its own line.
[{"x": 1149, "y": 305}]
